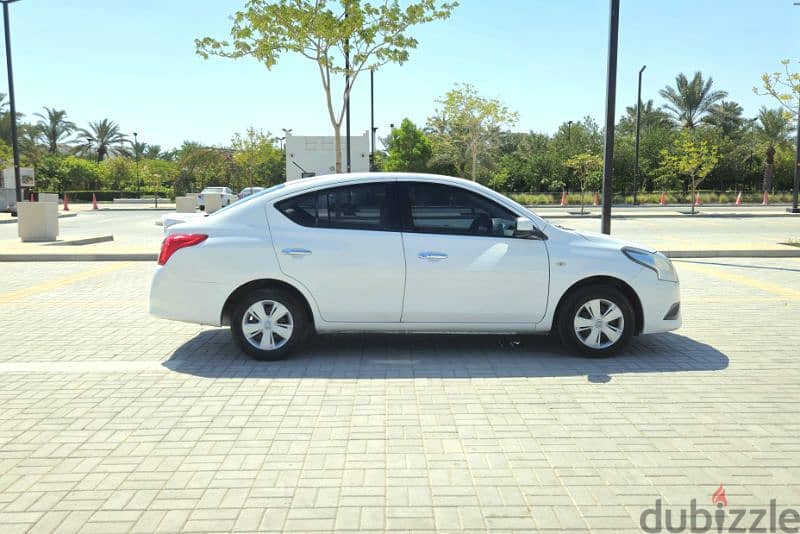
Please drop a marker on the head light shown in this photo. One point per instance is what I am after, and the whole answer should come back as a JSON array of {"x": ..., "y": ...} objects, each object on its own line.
[{"x": 656, "y": 261}]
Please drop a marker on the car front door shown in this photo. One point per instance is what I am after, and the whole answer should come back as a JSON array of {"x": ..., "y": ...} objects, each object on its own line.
[
  {"x": 463, "y": 263},
  {"x": 344, "y": 245}
]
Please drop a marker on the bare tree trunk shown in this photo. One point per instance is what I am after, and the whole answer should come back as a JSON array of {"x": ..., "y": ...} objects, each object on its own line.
[
  {"x": 337, "y": 137},
  {"x": 769, "y": 175},
  {"x": 474, "y": 164}
]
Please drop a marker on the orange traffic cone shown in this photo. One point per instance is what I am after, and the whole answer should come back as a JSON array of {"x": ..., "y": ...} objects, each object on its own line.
[
  {"x": 94, "y": 202},
  {"x": 66, "y": 205},
  {"x": 563, "y": 198},
  {"x": 739, "y": 199},
  {"x": 595, "y": 202},
  {"x": 697, "y": 200},
  {"x": 766, "y": 199},
  {"x": 663, "y": 200}
]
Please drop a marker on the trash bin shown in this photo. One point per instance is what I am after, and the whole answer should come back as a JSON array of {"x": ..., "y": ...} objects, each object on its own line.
[{"x": 37, "y": 221}]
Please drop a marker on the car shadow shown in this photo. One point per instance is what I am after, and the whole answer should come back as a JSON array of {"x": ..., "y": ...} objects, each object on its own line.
[{"x": 213, "y": 354}]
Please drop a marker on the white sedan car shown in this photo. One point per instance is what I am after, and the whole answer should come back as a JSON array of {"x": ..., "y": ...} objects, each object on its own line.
[
  {"x": 226, "y": 196},
  {"x": 393, "y": 252}
]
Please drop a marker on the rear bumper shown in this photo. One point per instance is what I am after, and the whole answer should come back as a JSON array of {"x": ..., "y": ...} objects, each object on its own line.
[{"x": 181, "y": 300}]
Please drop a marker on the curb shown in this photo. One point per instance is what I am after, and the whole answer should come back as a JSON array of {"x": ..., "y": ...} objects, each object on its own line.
[
  {"x": 672, "y": 216},
  {"x": 60, "y": 216},
  {"x": 84, "y": 241},
  {"x": 78, "y": 257},
  {"x": 768, "y": 253},
  {"x": 675, "y": 254}
]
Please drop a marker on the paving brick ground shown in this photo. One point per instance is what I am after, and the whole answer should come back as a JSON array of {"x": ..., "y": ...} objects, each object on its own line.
[{"x": 111, "y": 421}]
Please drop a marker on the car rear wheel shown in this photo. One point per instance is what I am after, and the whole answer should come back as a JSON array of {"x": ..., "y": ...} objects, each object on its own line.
[
  {"x": 268, "y": 324},
  {"x": 596, "y": 321}
]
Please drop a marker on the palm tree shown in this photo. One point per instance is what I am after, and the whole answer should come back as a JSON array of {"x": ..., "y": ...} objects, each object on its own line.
[
  {"x": 105, "y": 136},
  {"x": 727, "y": 117},
  {"x": 651, "y": 118},
  {"x": 54, "y": 127},
  {"x": 774, "y": 131},
  {"x": 688, "y": 101}
]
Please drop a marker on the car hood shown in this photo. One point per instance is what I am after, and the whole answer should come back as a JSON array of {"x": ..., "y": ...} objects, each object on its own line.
[{"x": 611, "y": 242}]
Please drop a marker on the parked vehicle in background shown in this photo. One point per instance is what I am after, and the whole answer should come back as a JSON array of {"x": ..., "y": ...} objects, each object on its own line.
[
  {"x": 226, "y": 196},
  {"x": 396, "y": 252},
  {"x": 247, "y": 191}
]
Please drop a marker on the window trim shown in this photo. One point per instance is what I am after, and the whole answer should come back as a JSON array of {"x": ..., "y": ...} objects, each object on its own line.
[
  {"x": 407, "y": 216},
  {"x": 391, "y": 201}
]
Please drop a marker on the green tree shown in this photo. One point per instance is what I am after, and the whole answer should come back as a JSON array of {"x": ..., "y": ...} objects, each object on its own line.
[
  {"x": 199, "y": 166},
  {"x": 688, "y": 101},
  {"x": 323, "y": 31},
  {"x": 782, "y": 86},
  {"x": 773, "y": 129},
  {"x": 54, "y": 128},
  {"x": 471, "y": 124},
  {"x": 691, "y": 157},
  {"x": 408, "y": 149},
  {"x": 587, "y": 169},
  {"x": 120, "y": 174},
  {"x": 257, "y": 158},
  {"x": 103, "y": 137},
  {"x": 80, "y": 174}
]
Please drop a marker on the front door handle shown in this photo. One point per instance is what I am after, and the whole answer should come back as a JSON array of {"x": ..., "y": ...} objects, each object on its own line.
[
  {"x": 430, "y": 255},
  {"x": 296, "y": 251}
]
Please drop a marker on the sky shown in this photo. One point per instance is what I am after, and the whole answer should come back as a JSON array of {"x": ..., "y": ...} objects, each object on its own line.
[{"x": 134, "y": 62}]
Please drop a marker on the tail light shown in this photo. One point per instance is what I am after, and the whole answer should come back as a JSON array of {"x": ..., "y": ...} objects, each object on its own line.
[{"x": 175, "y": 242}]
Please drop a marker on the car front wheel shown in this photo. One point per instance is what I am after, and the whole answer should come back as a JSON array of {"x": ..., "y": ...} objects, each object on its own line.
[
  {"x": 596, "y": 321},
  {"x": 268, "y": 324}
]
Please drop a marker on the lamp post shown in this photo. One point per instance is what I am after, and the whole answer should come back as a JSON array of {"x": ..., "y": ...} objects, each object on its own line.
[
  {"x": 286, "y": 133},
  {"x": 569, "y": 131},
  {"x": 611, "y": 96},
  {"x": 12, "y": 102},
  {"x": 136, "y": 158},
  {"x": 638, "y": 119},
  {"x": 372, "y": 128},
  {"x": 795, "y": 208}
]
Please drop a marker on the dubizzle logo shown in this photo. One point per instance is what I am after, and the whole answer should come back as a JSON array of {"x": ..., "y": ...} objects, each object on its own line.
[{"x": 722, "y": 519}]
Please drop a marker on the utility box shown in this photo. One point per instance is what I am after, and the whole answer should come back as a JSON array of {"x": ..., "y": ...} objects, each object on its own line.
[
  {"x": 212, "y": 202},
  {"x": 315, "y": 155},
  {"x": 185, "y": 204},
  {"x": 37, "y": 221}
]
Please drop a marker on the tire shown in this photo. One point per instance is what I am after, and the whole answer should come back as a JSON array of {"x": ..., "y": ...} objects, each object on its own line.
[
  {"x": 202, "y": 208},
  {"x": 582, "y": 329},
  {"x": 282, "y": 317}
]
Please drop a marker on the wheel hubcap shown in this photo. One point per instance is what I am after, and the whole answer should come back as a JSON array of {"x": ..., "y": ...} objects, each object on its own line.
[
  {"x": 267, "y": 325},
  {"x": 599, "y": 323}
]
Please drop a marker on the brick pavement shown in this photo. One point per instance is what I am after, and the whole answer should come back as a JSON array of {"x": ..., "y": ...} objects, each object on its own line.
[{"x": 112, "y": 421}]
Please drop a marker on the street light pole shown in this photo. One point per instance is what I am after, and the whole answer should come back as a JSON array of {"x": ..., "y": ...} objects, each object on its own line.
[
  {"x": 372, "y": 119},
  {"x": 347, "y": 95},
  {"x": 638, "y": 118},
  {"x": 136, "y": 158},
  {"x": 569, "y": 131},
  {"x": 611, "y": 96},
  {"x": 12, "y": 102},
  {"x": 794, "y": 208}
]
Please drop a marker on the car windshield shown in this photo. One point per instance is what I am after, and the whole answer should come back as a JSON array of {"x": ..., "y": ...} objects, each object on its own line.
[{"x": 249, "y": 198}]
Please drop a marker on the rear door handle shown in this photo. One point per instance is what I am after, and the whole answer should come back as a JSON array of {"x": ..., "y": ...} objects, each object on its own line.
[
  {"x": 296, "y": 251},
  {"x": 430, "y": 255}
]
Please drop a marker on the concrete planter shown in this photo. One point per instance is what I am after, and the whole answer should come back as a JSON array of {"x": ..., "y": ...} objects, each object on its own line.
[
  {"x": 48, "y": 197},
  {"x": 185, "y": 204},
  {"x": 37, "y": 221},
  {"x": 212, "y": 201}
]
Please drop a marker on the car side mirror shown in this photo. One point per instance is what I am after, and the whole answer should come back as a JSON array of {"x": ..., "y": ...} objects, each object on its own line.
[{"x": 525, "y": 228}]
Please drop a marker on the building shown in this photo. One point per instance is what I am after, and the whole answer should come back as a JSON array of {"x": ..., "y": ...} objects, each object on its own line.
[{"x": 315, "y": 155}]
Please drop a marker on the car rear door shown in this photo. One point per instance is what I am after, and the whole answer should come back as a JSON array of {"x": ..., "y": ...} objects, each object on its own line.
[
  {"x": 344, "y": 245},
  {"x": 463, "y": 263}
]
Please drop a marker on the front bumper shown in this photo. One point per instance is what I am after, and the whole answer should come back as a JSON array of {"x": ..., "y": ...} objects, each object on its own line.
[{"x": 660, "y": 303}]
